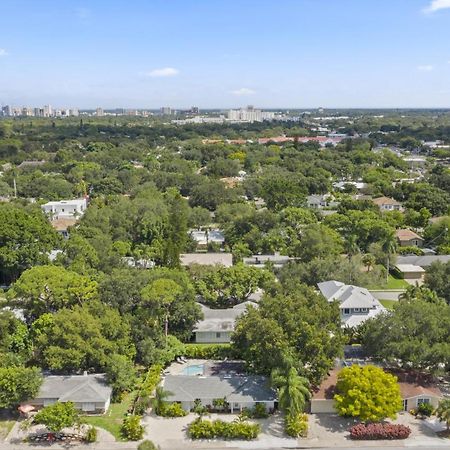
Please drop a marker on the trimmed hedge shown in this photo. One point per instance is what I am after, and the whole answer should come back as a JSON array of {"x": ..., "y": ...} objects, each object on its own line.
[
  {"x": 373, "y": 431},
  {"x": 142, "y": 399},
  {"x": 209, "y": 351},
  {"x": 132, "y": 429},
  {"x": 207, "y": 429}
]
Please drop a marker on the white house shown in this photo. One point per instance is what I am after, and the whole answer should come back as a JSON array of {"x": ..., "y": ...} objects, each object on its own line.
[
  {"x": 240, "y": 391},
  {"x": 65, "y": 208},
  {"x": 356, "y": 304},
  {"x": 89, "y": 393},
  {"x": 218, "y": 324},
  {"x": 205, "y": 237}
]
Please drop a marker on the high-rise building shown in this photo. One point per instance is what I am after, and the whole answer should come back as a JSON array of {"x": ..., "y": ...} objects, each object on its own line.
[
  {"x": 99, "y": 112},
  {"x": 47, "y": 111},
  {"x": 249, "y": 114},
  {"x": 166, "y": 110},
  {"x": 194, "y": 110}
]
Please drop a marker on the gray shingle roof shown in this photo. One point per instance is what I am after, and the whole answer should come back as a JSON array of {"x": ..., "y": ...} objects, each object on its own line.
[
  {"x": 185, "y": 388},
  {"x": 422, "y": 261},
  {"x": 75, "y": 388}
]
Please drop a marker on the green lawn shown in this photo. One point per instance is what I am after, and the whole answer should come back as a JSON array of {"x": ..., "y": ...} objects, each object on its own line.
[
  {"x": 5, "y": 427},
  {"x": 112, "y": 420},
  {"x": 388, "y": 304},
  {"x": 393, "y": 283}
]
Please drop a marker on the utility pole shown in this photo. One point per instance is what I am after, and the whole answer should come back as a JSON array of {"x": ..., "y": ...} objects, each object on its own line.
[{"x": 15, "y": 187}]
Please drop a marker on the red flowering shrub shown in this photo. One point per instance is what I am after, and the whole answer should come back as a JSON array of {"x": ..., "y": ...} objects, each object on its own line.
[{"x": 374, "y": 431}]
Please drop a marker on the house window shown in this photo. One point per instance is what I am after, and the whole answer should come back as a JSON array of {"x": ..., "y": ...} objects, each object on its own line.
[
  {"x": 422, "y": 400},
  {"x": 346, "y": 311},
  {"x": 236, "y": 405},
  {"x": 218, "y": 335},
  {"x": 356, "y": 309}
]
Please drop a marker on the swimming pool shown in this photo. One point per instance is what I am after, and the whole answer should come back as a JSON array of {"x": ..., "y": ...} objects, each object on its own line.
[{"x": 195, "y": 369}]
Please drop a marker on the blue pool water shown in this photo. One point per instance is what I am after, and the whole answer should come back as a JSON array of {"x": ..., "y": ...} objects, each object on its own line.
[{"x": 196, "y": 369}]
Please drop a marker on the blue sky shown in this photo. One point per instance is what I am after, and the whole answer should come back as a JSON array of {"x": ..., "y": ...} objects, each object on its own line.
[{"x": 225, "y": 53}]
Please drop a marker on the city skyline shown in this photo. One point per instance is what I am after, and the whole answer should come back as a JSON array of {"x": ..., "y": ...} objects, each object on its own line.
[{"x": 289, "y": 54}]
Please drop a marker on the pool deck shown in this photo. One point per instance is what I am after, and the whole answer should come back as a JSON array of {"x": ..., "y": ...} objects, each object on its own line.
[{"x": 211, "y": 367}]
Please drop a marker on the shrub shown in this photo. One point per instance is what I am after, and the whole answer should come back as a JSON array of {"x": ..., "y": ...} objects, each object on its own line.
[
  {"x": 91, "y": 435},
  {"x": 374, "y": 431},
  {"x": 147, "y": 445},
  {"x": 206, "y": 429},
  {"x": 208, "y": 351},
  {"x": 425, "y": 409},
  {"x": 296, "y": 425},
  {"x": 141, "y": 402},
  {"x": 141, "y": 405},
  {"x": 132, "y": 428},
  {"x": 260, "y": 411},
  {"x": 172, "y": 410}
]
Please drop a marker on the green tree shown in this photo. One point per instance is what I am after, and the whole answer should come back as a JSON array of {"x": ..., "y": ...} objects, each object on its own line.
[
  {"x": 389, "y": 247},
  {"x": 120, "y": 374},
  {"x": 26, "y": 237},
  {"x": 420, "y": 293},
  {"x": 60, "y": 343},
  {"x": 57, "y": 416},
  {"x": 160, "y": 399},
  {"x": 18, "y": 384},
  {"x": 415, "y": 335},
  {"x": 293, "y": 390},
  {"x": 443, "y": 412},
  {"x": 368, "y": 260},
  {"x": 368, "y": 393},
  {"x": 44, "y": 289},
  {"x": 437, "y": 278}
]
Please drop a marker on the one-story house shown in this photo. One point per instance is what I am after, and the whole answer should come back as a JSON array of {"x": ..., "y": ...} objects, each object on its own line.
[
  {"x": 240, "y": 391},
  {"x": 414, "y": 389},
  {"x": 218, "y": 324},
  {"x": 205, "y": 237},
  {"x": 422, "y": 261},
  {"x": 89, "y": 393},
  {"x": 387, "y": 204},
  {"x": 410, "y": 271},
  {"x": 207, "y": 259},
  {"x": 276, "y": 260},
  {"x": 407, "y": 238}
]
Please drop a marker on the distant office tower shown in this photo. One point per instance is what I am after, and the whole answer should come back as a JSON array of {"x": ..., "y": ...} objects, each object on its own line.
[
  {"x": 7, "y": 110},
  {"x": 47, "y": 111},
  {"x": 99, "y": 112},
  {"x": 74, "y": 112},
  {"x": 249, "y": 114},
  {"x": 194, "y": 110},
  {"x": 166, "y": 111},
  {"x": 27, "y": 112}
]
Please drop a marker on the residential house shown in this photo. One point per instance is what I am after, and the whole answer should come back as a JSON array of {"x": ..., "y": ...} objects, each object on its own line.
[
  {"x": 410, "y": 272},
  {"x": 207, "y": 259},
  {"x": 276, "y": 260},
  {"x": 62, "y": 224},
  {"x": 65, "y": 208},
  {"x": 356, "y": 304},
  {"x": 424, "y": 261},
  {"x": 240, "y": 391},
  {"x": 218, "y": 324},
  {"x": 407, "y": 238},
  {"x": 205, "y": 237},
  {"x": 320, "y": 201},
  {"x": 89, "y": 393},
  {"x": 414, "y": 390},
  {"x": 387, "y": 204}
]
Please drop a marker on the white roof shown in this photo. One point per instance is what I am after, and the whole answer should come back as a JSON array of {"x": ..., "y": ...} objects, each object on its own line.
[
  {"x": 405, "y": 268},
  {"x": 357, "y": 319},
  {"x": 348, "y": 296},
  {"x": 207, "y": 259},
  {"x": 76, "y": 201}
]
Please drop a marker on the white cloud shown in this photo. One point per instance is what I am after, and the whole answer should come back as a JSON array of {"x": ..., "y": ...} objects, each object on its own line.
[
  {"x": 3, "y": 52},
  {"x": 164, "y": 72},
  {"x": 243, "y": 91},
  {"x": 437, "y": 5},
  {"x": 425, "y": 68}
]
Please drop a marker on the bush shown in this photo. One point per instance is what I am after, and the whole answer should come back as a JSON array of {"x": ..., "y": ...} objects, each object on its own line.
[
  {"x": 260, "y": 411},
  {"x": 208, "y": 351},
  {"x": 147, "y": 445},
  {"x": 374, "y": 431},
  {"x": 141, "y": 401},
  {"x": 172, "y": 410},
  {"x": 141, "y": 405},
  {"x": 132, "y": 428},
  {"x": 425, "y": 409},
  {"x": 296, "y": 425},
  {"x": 206, "y": 429},
  {"x": 91, "y": 435}
]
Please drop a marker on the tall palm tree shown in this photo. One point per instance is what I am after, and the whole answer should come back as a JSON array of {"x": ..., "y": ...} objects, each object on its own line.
[
  {"x": 293, "y": 390},
  {"x": 443, "y": 412},
  {"x": 351, "y": 246},
  {"x": 160, "y": 399},
  {"x": 389, "y": 247}
]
